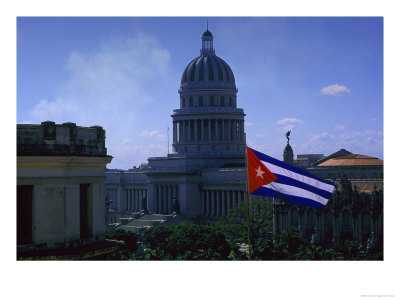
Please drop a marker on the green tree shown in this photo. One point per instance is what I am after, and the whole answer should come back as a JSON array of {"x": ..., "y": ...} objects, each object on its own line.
[
  {"x": 234, "y": 225},
  {"x": 186, "y": 241},
  {"x": 130, "y": 238}
]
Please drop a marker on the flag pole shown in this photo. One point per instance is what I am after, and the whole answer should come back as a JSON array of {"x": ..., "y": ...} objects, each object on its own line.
[{"x": 247, "y": 197}]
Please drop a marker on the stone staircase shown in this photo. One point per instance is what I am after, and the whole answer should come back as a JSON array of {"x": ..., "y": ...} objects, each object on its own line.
[{"x": 143, "y": 221}]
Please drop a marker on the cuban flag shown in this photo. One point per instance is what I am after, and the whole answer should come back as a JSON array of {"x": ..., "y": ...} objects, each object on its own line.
[{"x": 273, "y": 178}]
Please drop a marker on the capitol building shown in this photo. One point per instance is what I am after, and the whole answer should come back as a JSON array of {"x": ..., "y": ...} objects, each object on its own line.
[{"x": 204, "y": 176}]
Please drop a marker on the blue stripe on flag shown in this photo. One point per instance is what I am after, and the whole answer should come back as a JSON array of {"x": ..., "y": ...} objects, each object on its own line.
[
  {"x": 281, "y": 164},
  {"x": 263, "y": 191},
  {"x": 290, "y": 181}
]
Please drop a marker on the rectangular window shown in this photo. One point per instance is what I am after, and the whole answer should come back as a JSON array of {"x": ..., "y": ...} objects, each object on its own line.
[
  {"x": 85, "y": 212},
  {"x": 24, "y": 214}
]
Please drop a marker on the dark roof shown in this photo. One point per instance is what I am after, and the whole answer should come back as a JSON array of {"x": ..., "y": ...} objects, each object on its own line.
[
  {"x": 341, "y": 152},
  {"x": 207, "y": 33}
]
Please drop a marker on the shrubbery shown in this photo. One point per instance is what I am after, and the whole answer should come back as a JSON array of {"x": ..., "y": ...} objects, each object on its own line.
[
  {"x": 187, "y": 241},
  {"x": 130, "y": 238}
]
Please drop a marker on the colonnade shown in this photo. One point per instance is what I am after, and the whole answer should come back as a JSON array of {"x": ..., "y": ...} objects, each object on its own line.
[
  {"x": 216, "y": 203},
  {"x": 207, "y": 130},
  {"x": 164, "y": 197},
  {"x": 133, "y": 198},
  {"x": 113, "y": 196}
]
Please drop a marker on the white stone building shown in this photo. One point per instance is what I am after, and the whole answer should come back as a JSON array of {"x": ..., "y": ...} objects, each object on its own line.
[
  {"x": 60, "y": 185},
  {"x": 205, "y": 172}
]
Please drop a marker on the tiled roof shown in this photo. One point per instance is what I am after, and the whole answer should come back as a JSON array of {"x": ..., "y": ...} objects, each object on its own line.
[{"x": 352, "y": 160}]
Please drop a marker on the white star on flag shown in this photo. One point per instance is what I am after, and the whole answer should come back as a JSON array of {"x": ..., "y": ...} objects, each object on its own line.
[{"x": 259, "y": 172}]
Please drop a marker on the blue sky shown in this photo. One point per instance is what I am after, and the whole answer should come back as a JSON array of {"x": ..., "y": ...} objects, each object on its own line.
[{"x": 322, "y": 78}]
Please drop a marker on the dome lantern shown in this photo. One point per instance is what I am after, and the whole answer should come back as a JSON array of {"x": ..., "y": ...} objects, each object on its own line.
[{"x": 207, "y": 43}]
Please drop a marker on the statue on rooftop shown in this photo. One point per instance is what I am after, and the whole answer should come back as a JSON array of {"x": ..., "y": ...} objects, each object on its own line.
[{"x": 287, "y": 136}]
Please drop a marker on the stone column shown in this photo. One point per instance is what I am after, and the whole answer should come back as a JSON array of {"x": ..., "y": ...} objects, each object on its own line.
[
  {"x": 183, "y": 131},
  {"x": 137, "y": 202},
  {"x": 207, "y": 203},
  {"x": 130, "y": 205},
  {"x": 223, "y": 130},
  {"x": 196, "y": 134},
  {"x": 218, "y": 204},
  {"x": 174, "y": 132},
  {"x": 209, "y": 129},
  {"x": 212, "y": 202},
  {"x": 132, "y": 194},
  {"x": 180, "y": 132},
  {"x": 223, "y": 202},
  {"x": 216, "y": 130},
  {"x": 169, "y": 198},
  {"x": 229, "y": 200},
  {"x": 201, "y": 130},
  {"x": 159, "y": 207}
]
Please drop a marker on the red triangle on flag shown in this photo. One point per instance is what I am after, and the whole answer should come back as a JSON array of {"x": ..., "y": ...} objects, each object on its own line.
[{"x": 257, "y": 172}]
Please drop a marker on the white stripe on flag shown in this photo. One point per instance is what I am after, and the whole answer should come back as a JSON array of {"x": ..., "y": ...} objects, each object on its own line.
[
  {"x": 295, "y": 191},
  {"x": 308, "y": 180}
]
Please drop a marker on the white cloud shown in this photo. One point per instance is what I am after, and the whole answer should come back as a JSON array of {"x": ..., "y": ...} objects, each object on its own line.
[
  {"x": 350, "y": 135},
  {"x": 339, "y": 127},
  {"x": 289, "y": 123},
  {"x": 109, "y": 87},
  {"x": 147, "y": 133},
  {"x": 107, "y": 84},
  {"x": 323, "y": 137},
  {"x": 334, "y": 90}
]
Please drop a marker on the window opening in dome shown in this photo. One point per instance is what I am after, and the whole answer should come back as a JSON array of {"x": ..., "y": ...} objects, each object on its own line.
[
  {"x": 200, "y": 101},
  {"x": 226, "y": 72},
  {"x": 201, "y": 70},
  {"x": 220, "y": 76},
  {"x": 183, "y": 102},
  {"x": 210, "y": 69},
  {"x": 191, "y": 101},
  {"x": 192, "y": 73},
  {"x": 211, "y": 100}
]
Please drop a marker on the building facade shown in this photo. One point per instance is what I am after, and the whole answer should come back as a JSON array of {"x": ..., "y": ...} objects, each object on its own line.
[
  {"x": 354, "y": 211},
  {"x": 204, "y": 175},
  {"x": 60, "y": 185}
]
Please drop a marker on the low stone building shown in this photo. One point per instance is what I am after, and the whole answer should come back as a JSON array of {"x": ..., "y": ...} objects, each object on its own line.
[
  {"x": 60, "y": 185},
  {"x": 355, "y": 209}
]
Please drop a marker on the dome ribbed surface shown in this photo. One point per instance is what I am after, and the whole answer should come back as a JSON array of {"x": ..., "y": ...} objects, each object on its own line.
[{"x": 208, "y": 71}]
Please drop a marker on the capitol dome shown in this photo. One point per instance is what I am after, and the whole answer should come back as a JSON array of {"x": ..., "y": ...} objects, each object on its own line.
[{"x": 207, "y": 71}]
